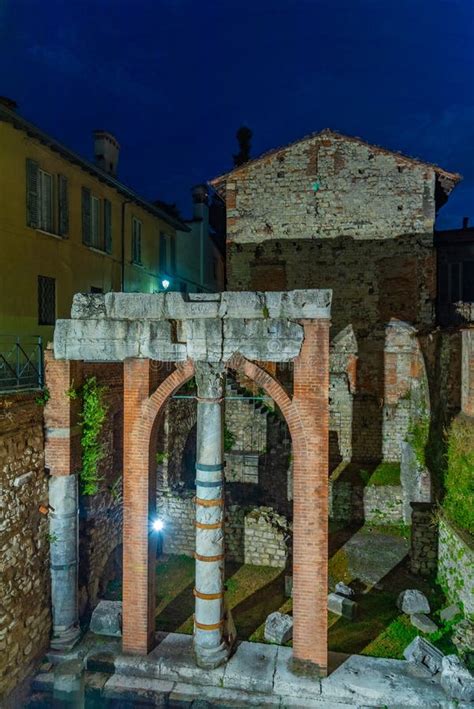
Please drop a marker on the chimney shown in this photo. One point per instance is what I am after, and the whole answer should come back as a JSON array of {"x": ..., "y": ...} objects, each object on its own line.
[
  {"x": 106, "y": 151},
  {"x": 465, "y": 222},
  {"x": 200, "y": 201},
  {"x": 8, "y": 103}
]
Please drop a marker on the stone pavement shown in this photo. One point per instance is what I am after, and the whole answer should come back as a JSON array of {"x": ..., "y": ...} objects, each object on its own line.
[{"x": 256, "y": 675}]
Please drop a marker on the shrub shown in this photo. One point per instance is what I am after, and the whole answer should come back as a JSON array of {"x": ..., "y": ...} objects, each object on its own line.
[
  {"x": 459, "y": 477},
  {"x": 92, "y": 419}
]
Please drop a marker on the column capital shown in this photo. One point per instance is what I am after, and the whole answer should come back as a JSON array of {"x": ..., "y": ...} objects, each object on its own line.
[{"x": 209, "y": 379}]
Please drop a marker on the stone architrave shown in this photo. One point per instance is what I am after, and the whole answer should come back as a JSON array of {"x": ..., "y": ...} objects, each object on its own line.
[{"x": 423, "y": 653}]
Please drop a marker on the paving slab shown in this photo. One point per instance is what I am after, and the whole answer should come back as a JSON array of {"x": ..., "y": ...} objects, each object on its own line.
[
  {"x": 251, "y": 668},
  {"x": 222, "y": 697},
  {"x": 175, "y": 656},
  {"x": 155, "y": 691},
  {"x": 289, "y": 684},
  {"x": 380, "y": 682}
]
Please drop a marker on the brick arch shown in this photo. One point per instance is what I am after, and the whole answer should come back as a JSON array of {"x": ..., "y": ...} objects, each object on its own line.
[{"x": 141, "y": 416}]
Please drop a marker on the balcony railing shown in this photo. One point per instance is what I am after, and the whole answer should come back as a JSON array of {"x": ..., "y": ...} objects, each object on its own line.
[{"x": 21, "y": 362}]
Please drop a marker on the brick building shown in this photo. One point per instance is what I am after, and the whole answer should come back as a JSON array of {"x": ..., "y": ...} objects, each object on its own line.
[{"x": 331, "y": 211}]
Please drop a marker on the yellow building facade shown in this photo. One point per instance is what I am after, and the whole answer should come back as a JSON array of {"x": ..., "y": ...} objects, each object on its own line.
[{"x": 68, "y": 226}]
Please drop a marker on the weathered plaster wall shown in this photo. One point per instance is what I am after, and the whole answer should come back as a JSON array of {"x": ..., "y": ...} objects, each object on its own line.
[{"x": 25, "y": 618}]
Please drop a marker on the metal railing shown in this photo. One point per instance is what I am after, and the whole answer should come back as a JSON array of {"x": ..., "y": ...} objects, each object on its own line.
[{"x": 21, "y": 362}]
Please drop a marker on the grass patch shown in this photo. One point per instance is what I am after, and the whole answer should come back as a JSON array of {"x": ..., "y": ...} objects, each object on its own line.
[
  {"x": 393, "y": 640},
  {"x": 459, "y": 478},
  {"x": 384, "y": 474}
]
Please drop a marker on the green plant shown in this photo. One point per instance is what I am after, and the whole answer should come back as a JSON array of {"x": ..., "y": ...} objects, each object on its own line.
[
  {"x": 43, "y": 398},
  {"x": 116, "y": 490},
  {"x": 266, "y": 312},
  {"x": 231, "y": 585},
  {"x": 161, "y": 457},
  {"x": 229, "y": 439},
  {"x": 459, "y": 476},
  {"x": 384, "y": 474},
  {"x": 418, "y": 433},
  {"x": 72, "y": 393},
  {"x": 92, "y": 418},
  {"x": 52, "y": 537}
]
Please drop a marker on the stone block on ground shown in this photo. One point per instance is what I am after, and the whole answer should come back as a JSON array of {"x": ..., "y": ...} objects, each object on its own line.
[
  {"x": 413, "y": 601},
  {"x": 107, "y": 618},
  {"x": 278, "y": 628},
  {"x": 423, "y": 623},
  {"x": 424, "y": 654},
  {"x": 342, "y": 606},
  {"x": 456, "y": 680},
  {"x": 344, "y": 590},
  {"x": 450, "y": 612}
]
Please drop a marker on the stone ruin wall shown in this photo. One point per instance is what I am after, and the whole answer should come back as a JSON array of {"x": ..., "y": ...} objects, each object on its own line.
[
  {"x": 255, "y": 535},
  {"x": 25, "y": 616},
  {"x": 336, "y": 213}
]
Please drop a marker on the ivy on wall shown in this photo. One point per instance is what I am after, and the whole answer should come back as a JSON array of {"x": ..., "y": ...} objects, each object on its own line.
[{"x": 92, "y": 418}]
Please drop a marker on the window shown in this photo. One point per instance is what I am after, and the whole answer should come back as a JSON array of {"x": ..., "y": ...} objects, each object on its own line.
[
  {"x": 46, "y": 300},
  {"x": 461, "y": 281},
  {"x": 45, "y": 202},
  {"x": 163, "y": 260},
  {"x": 96, "y": 289},
  {"x": 108, "y": 226},
  {"x": 47, "y": 205},
  {"x": 172, "y": 243},
  {"x": 95, "y": 223},
  {"x": 136, "y": 240}
]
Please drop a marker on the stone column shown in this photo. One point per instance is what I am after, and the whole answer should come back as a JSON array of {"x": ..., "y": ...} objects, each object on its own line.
[
  {"x": 63, "y": 529},
  {"x": 63, "y": 459},
  {"x": 209, "y": 644}
]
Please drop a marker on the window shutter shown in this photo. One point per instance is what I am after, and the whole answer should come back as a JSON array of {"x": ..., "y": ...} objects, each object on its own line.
[
  {"x": 172, "y": 254},
  {"x": 63, "y": 205},
  {"x": 108, "y": 225},
  {"x": 86, "y": 216},
  {"x": 32, "y": 189}
]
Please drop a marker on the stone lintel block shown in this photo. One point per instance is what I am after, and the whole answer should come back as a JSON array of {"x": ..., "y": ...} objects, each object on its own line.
[
  {"x": 107, "y": 618},
  {"x": 172, "y": 305}
]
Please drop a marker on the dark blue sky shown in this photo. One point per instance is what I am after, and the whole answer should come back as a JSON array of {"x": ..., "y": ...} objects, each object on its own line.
[{"x": 173, "y": 80}]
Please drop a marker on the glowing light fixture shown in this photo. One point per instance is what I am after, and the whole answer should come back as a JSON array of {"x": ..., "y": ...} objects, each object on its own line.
[
  {"x": 165, "y": 283},
  {"x": 158, "y": 525}
]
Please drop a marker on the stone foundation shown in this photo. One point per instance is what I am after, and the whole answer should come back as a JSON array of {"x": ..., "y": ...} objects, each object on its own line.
[{"x": 424, "y": 539}]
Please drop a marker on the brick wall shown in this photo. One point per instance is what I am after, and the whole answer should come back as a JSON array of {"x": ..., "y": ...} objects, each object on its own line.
[
  {"x": 25, "y": 617},
  {"x": 332, "y": 212}
]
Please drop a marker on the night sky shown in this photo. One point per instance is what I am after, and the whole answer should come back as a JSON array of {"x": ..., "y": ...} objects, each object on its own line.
[{"x": 173, "y": 80}]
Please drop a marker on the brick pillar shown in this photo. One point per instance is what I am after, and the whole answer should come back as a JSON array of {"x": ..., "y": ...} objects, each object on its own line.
[
  {"x": 310, "y": 500},
  {"x": 63, "y": 459},
  {"x": 139, "y": 504}
]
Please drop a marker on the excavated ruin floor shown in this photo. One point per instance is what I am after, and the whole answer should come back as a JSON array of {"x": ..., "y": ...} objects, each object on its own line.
[{"x": 256, "y": 675}]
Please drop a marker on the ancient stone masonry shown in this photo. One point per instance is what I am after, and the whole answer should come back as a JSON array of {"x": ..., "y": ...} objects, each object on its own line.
[
  {"x": 424, "y": 539},
  {"x": 25, "y": 616},
  {"x": 204, "y": 335},
  {"x": 456, "y": 565},
  {"x": 330, "y": 211}
]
